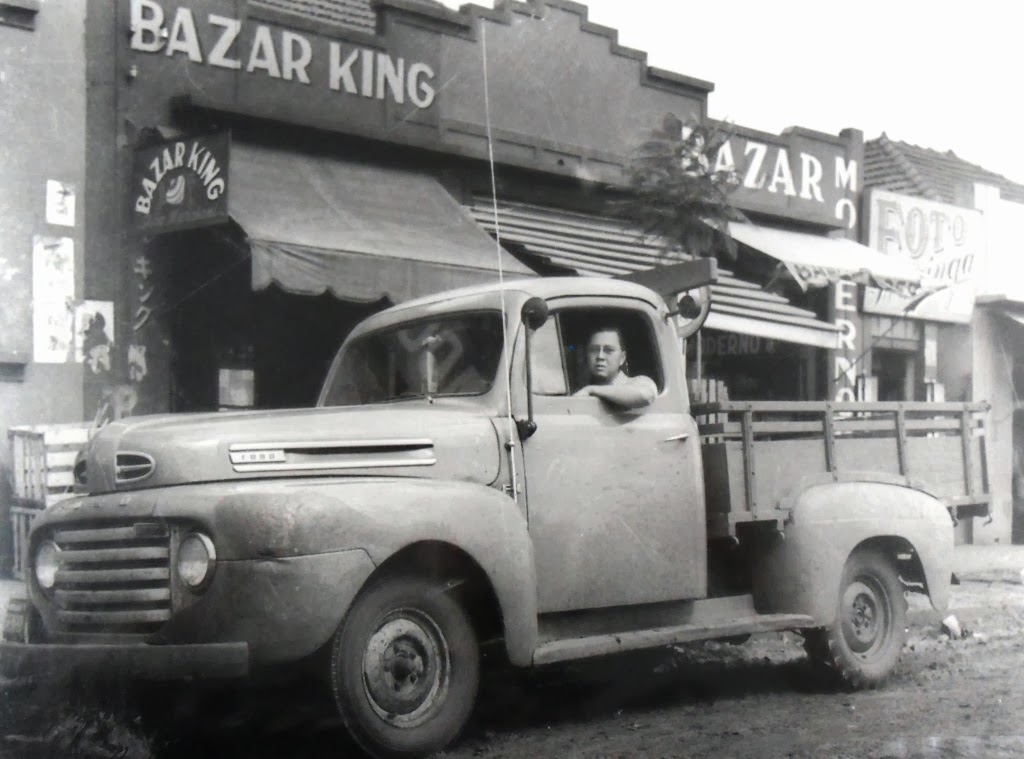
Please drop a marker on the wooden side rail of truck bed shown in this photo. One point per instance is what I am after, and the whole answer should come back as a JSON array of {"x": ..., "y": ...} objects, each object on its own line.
[{"x": 757, "y": 453}]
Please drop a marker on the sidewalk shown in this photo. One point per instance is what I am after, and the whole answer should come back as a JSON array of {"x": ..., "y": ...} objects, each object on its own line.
[{"x": 1004, "y": 559}]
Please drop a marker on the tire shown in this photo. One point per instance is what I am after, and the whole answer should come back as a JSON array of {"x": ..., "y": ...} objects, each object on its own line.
[
  {"x": 863, "y": 645},
  {"x": 405, "y": 668}
]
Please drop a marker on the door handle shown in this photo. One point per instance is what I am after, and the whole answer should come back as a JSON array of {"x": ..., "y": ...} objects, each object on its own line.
[{"x": 681, "y": 436}]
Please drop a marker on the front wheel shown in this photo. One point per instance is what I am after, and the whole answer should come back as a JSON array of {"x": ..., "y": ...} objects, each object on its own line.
[
  {"x": 405, "y": 668},
  {"x": 864, "y": 643}
]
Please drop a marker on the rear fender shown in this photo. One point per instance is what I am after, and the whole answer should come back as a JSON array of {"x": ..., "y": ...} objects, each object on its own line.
[{"x": 801, "y": 571}]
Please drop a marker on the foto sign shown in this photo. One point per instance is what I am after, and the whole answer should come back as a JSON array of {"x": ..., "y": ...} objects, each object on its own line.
[
  {"x": 180, "y": 183},
  {"x": 943, "y": 241}
]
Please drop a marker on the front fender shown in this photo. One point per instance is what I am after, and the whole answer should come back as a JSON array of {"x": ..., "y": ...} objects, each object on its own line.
[
  {"x": 801, "y": 573},
  {"x": 382, "y": 516}
]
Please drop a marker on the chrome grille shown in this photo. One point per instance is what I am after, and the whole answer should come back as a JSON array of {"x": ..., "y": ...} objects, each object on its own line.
[{"x": 113, "y": 579}]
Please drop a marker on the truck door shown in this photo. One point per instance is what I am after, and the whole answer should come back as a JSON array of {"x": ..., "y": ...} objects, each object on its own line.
[{"x": 615, "y": 497}]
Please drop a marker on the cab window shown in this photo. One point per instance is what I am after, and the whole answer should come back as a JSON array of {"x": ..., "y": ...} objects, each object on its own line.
[{"x": 559, "y": 348}]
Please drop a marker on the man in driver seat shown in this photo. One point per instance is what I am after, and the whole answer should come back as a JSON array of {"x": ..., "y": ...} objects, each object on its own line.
[{"x": 606, "y": 356}]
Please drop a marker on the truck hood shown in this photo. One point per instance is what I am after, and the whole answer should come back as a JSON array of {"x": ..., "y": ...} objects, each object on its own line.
[{"x": 441, "y": 440}]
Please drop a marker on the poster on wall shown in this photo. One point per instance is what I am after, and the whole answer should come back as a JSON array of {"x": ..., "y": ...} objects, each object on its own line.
[
  {"x": 53, "y": 298},
  {"x": 943, "y": 241},
  {"x": 15, "y": 307},
  {"x": 94, "y": 334},
  {"x": 60, "y": 203}
]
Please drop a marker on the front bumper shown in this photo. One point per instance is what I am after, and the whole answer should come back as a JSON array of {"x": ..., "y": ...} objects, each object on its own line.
[{"x": 135, "y": 661}]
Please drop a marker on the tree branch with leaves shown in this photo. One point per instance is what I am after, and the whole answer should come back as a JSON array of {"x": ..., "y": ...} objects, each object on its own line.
[{"x": 676, "y": 194}]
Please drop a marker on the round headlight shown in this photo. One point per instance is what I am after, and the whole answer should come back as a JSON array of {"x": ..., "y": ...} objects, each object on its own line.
[
  {"x": 46, "y": 564},
  {"x": 196, "y": 556}
]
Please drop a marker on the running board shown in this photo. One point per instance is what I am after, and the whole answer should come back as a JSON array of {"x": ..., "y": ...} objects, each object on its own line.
[{"x": 568, "y": 649}]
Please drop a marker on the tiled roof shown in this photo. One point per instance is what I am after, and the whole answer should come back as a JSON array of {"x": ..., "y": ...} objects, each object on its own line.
[
  {"x": 924, "y": 173},
  {"x": 354, "y": 14}
]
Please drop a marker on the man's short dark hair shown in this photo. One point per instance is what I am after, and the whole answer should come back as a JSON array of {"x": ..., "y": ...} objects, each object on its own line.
[{"x": 609, "y": 328}]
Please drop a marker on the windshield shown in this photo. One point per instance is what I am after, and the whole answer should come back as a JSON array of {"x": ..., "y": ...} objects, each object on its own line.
[{"x": 444, "y": 356}]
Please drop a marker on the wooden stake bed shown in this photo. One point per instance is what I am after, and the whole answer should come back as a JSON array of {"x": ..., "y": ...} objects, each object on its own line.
[{"x": 756, "y": 454}]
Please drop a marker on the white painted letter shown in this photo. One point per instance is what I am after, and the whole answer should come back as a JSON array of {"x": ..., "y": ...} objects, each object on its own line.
[
  {"x": 810, "y": 178},
  {"x": 215, "y": 189},
  {"x": 193, "y": 157},
  {"x": 848, "y": 334},
  {"x": 724, "y": 160},
  {"x": 843, "y": 206},
  {"x": 386, "y": 72},
  {"x": 844, "y": 295},
  {"x": 262, "y": 55},
  {"x": 367, "y": 71},
  {"x": 421, "y": 92},
  {"x": 219, "y": 55},
  {"x": 147, "y": 20},
  {"x": 291, "y": 65},
  {"x": 183, "y": 37},
  {"x": 754, "y": 179},
  {"x": 783, "y": 174},
  {"x": 342, "y": 72},
  {"x": 846, "y": 174}
]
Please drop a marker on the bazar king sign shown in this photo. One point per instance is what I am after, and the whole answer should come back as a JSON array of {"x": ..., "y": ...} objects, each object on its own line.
[
  {"x": 222, "y": 41},
  {"x": 181, "y": 183}
]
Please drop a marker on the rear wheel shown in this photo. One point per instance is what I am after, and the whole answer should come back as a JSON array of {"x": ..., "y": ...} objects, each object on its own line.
[
  {"x": 405, "y": 668},
  {"x": 864, "y": 642}
]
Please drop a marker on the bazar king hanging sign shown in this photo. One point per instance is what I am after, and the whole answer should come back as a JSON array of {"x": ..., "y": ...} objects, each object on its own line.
[
  {"x": 217, "y": 41},
  {"x": 181, "y": 183}
]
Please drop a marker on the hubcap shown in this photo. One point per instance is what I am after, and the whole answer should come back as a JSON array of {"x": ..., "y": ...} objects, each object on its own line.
[
  {"x": 865, "y": 616},
  {"x": 406, "y": 668}
]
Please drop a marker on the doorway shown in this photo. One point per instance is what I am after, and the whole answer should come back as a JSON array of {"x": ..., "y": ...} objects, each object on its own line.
[{"x": 895, "y": 372}]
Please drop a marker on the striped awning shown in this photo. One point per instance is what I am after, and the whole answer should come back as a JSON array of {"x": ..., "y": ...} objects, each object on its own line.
[{"x": 593, "y": 245}]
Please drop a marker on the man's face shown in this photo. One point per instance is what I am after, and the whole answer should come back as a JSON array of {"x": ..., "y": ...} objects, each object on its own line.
[{"x": 605, "y": 356}]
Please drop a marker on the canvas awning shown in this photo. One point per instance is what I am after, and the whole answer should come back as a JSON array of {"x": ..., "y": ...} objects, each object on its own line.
[
  {"x": 591, "y": 244},
  {"x": 360, "y": 231},
  {"x": 815, "y": 261}
]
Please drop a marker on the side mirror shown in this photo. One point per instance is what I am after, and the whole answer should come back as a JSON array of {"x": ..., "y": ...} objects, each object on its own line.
[
  {"x": 691, "y": 311},
  {"x": 535, "y": 312}
]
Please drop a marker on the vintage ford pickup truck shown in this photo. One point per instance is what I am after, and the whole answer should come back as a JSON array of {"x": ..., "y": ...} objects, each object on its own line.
[{"x": 452, "y": 489}]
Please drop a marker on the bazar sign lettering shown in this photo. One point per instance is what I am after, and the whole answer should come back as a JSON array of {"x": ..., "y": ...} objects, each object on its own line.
[
  {"x": 776, "y": 176},
  {"x": 941, "y": 240},
  {"x": 211, "y": 39},
  {"x": 181, "y": 183}
]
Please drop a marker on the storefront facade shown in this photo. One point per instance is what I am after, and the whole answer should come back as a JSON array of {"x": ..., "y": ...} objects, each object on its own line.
[
  {"x": 258, "y": 181},
  {"x": 957, "y": 341}
]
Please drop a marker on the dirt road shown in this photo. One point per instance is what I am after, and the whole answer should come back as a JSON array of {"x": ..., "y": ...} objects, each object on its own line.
[{"x": 959, "y": 698}]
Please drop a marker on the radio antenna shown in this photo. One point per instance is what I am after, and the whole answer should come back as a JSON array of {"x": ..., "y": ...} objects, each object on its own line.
[{"x": 501, "y": 272}]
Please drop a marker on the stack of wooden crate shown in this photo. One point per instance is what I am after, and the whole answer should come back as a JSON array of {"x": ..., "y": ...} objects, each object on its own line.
[{"x": 43, "y": 459}]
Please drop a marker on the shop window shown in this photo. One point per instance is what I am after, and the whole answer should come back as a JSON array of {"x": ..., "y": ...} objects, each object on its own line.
[
  {"x": 19, "y": 13},
  {"x": 559, "y": 348}
]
